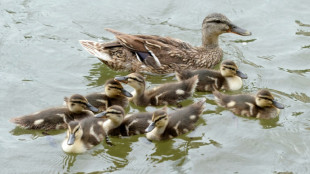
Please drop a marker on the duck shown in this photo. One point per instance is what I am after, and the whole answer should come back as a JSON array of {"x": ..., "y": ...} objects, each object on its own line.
[
  {"x": 162, "y": 55},
  {"x": 229, "y": 77},
  {"x": 262, "y": 105},
  {"x": 57, "y": 117},
  {"x": 164, "y": 94},
  {"x": 84, "y": 134},
  {"x": 133, "y": 124},
  {"x": 114, "y": 94},
  {"x": 166, "y": 126}
]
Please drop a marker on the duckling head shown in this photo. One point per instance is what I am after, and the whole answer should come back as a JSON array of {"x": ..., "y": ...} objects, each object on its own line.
[
  {"x": 78, "y": 103},
  {"x": 135, "y": 80},
  {"x": 216, "y": 24},
  {"x": 114, "y": 89},
  {"x": 228, "y": 68},
  {"x": 74, "y": 132},
  {"x": 159, "y": 120},
  {"x": 114, "y": 113},
  {"x": 264, "y": 98}
]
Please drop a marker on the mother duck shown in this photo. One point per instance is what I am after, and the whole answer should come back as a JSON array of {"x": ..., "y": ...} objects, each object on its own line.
[{"x": 161, "y": 55}]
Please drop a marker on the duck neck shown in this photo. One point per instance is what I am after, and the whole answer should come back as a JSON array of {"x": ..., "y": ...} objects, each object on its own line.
[
  {"x": 109, "y": 125},
  {"x": 156, "y": 133},
  {"x": 138, "y": 96},
  {"x": 233, "y": 83},
  {"x": 209, "y": 40}
]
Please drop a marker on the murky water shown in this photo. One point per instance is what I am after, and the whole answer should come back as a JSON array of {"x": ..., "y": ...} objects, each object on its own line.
[{"x": 42, "y": 61}]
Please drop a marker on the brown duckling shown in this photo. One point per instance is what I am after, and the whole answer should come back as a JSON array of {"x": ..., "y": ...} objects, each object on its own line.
[
  {"x": 169, "y": 93},
  {"x": 114, "y": 94},
  {"x": 262, "y": 105},
  {"x": 228, "y": 78},
  {"x": 165, "y": 126},
  {"x": 91, "y": 131},
  {"x": 156, "y": 54},
  {"x": 57, "y": 117}
]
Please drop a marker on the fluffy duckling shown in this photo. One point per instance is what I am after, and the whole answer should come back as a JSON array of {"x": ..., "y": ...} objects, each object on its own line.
[
  {"x": 133, "y": 124},
  {"x": 169, "y": 93},
  {"x": 166, "y": 126},
  {"x": 114, "y": 94},
  {"x": 262, "y": 105},
  {"x": 57, "y": 117},
  {"x": 91, "y": 131},
  {"x": 228, "y": 78}
]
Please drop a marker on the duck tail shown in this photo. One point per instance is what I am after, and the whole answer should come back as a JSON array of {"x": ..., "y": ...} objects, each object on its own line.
[
  {"x": 200, "y": 104},
  {"x": 192, "y": 83},
  {"x": 96, "y": 49},
  {"x": 114, "y": 31}
]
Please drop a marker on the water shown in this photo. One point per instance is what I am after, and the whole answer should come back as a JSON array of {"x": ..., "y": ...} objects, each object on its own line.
[{"x": 42, "y": 61}]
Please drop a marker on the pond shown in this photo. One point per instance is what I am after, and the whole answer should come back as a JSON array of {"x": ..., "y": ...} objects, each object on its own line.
[{"x": 42, "y": 62}]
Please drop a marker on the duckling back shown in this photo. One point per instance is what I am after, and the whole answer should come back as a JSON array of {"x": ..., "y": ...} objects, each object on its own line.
[
  {"x": 52, "y": 118},
  {"x": 133, "y": 124},
  {"x": 172, "y": 93}
]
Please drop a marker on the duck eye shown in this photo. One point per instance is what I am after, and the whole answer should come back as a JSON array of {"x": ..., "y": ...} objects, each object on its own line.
[{"x": 72, "y": 104}]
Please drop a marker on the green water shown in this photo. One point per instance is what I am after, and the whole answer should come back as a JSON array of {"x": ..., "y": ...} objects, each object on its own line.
[{"x": 42, "y": 61}]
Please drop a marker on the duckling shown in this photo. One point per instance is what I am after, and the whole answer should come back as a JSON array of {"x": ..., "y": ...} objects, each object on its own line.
[
  {"x": 161, "y": 55},
  {"x": 57, "y": 117},
  {"x": 133, "y": 124},
  {"x": 169, "y": 93},
  {"x": 262, "y": 105},
  {"x": 114, "y": 94},
  {"x": 228, "y": 78},
  {"x": 181, "y": 121},
  {"x": 89, "y": 132}
]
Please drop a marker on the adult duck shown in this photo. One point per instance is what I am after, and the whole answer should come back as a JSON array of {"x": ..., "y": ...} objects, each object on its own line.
[{"x": 161, "y": 55}]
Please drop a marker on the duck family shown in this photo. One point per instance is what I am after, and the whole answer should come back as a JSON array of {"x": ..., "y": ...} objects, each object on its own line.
[{"x": 91, "y": 118}]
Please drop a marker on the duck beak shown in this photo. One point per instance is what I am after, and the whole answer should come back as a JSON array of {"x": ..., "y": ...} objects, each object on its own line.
[
  {"x": 71, "y": 139},
  {"x": 123, "y": 79},
  {"x": 92, "y": 108},
  {"x": 126, "y": 93},
  {"x": 150, "y": 127},
  {"x": 241, "y": 75},
  {"x": 101, "y": 114},
  {"x": 237, "y": 30},
  {"x": 278, "y": 104}
]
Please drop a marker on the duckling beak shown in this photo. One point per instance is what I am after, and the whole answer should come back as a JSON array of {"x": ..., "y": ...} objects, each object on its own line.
[
  {"x": 237, "y": 30},
  {"x": 126, "y": 93},
  {"x": 150, "y": 127},
  {"x": 71, "y": 139},
  {"x": 92, "y": 108},
  {"x": 278, "y": 104},
  {"x": 241, "y": 75},
  {"x": 101, "y": 114},
  {"x": 123, "y": 79}
]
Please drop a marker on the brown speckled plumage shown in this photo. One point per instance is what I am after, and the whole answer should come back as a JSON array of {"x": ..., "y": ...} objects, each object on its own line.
[{"x": 163, "y": 54}]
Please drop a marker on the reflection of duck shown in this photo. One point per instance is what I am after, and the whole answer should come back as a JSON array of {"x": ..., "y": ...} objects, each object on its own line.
[
  {"x": 58, "y": 117},
  {"x": 156, "y": 54},
  {"x": 169, "y": 93},
  {"x": 228, "y": 78},
  {"x": 166, "y": 126},
  {"x": 262, "y": 105},
  {"x": 114, "y": 94},
  {"x": 89, "y": 132}
]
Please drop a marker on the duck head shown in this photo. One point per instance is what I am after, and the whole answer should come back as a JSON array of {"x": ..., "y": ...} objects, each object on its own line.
[
  {"x": 78, "y": 103},
  {"x": 114, "y": 113},
  {"x": 114, "y": 89},
  {"x": 228, "y": 68},
  {"x": 159, "y": 120},
  {"x": 74, "y": 132},
  {"x": 134, "y": 80},
  {"x": 264, "y": 98}
]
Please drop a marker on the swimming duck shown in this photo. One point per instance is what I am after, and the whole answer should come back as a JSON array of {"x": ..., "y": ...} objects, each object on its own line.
[
  {"x": 165, "y": 126},
  {"x": 161, "y": 55},
  {"x": 91, "y": 131},
  {"x": 228, "y": 78},
  {"x": 262, "y": 105},
  {"x": 57, "y": 117},
  {"x": 169, "y": 93},
  {"x": 114, "y": 94}
]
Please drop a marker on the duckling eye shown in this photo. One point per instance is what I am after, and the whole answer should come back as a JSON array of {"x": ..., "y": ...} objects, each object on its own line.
[
  {"x": 217, "y": 21},
  {"x": 72, "y": 104}
]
